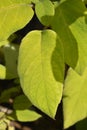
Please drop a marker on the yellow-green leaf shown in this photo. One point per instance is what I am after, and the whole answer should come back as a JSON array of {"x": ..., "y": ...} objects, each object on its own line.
[
  {"x": 14, "y": 15},
  {"x": 41, "y": 70},
  {"x": 79, "y": 30},
  {"x": 2, "y": 43},
  {"x": 70, "y": 24},
  {"x": 27, "y": 115},
  {"x": 2, "y": 72},
  {"x": 75, "y": 97},
  {"x": 45, "y": 11}
]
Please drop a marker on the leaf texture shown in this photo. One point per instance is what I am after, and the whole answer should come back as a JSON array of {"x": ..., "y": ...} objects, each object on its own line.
[{"x": 41, "y": 70}]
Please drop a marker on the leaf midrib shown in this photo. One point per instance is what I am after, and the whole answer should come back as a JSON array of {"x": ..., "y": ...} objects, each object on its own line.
[{"x": 42, "y": 69}]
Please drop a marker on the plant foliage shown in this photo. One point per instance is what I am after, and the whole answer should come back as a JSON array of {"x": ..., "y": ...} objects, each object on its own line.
[{"x": 48, "y": 61}]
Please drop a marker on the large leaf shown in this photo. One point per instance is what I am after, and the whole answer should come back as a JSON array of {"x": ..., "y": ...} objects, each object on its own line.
[
  {"x": 45, "y": 11},
  {"x": 70, "y": 25},
  {"x": 41, "y": 69},
  {"x": 14, "y": 15},
  {"x": 75, "y": 97}
]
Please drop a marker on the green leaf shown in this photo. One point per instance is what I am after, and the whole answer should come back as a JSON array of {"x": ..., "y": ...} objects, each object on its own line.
[
  {"x": 41, "y": 70},
  {"x": 11, "y": 58},
  {"x": 75, "y": 97},
  {"x": 34, "y": 1},
  {"x": 2, "y": 43},
  {"x": 27, "y": 115},
  {"x": 79, "y": 30},
  {"x": 22, "y": 111},
  {"x": 71, "y": 28},
  {"x": 5, "y": 3},
  {"x": 21, "y": 102},
  {"x": 9, "y": 93},
  {"x": 14, "y": 15},
  {"x": 45, "y": 11},
  {"x": 2, "y": 72},
  {"x": 82, "y": 125}
]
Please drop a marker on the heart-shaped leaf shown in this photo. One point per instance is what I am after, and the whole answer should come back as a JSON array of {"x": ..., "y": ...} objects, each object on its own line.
[{"x": 41, "y": 70}]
